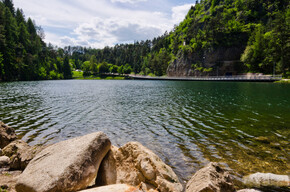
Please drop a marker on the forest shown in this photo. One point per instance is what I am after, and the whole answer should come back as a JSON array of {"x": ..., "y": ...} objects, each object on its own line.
[{"x": 261, "y": 28}]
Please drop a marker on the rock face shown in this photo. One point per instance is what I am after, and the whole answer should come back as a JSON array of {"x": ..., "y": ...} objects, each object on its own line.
[
  {"x": 7, "y": 135},
  {"x": 222, "y": 60},
  {"x": 211, "y": 178},
  {"x": 66, "y": 166},
  {"x": 135, "y": 165},
  {"x": 249, "y": 190},
  {"x": 266, "y": 179},
  {"x": 4, "y": 161},
  {"x": 114, "y": 188},
  {"x": 20, "y": 154}
]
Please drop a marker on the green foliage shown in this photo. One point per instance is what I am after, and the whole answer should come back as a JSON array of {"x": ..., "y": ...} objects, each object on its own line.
[
  {"x": 103, "y": 67},
  {"x": 77, "y": 75},
  {"x": 67, "y": 72},
  {"x": 113, "y": 69},
  {"x": 24, "y": 55},
  {"x": 259, "y": 27},
  {"x": 127, "y": 69}
]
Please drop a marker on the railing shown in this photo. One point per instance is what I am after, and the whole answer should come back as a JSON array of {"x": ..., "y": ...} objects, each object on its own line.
[{"x": 216, "y": 78}]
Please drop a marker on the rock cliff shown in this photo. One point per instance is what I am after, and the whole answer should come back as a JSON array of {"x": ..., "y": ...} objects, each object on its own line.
[{"x": 223, "y": 61}]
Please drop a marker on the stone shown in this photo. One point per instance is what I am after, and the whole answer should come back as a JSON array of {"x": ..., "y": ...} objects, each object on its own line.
[
  {"x": 249, "y": 190},
  {"x": 4, "y": 161},
  {"x": 107, "y": 174},
  {"x": 7, "y": 135},
  {"x": 20, "y": 154},
  {"x": 263, "y": 139},
  {"x": 8, "y": 180},
  {"x": 266, "y": 180},
  {"x": 69, "y": 165},
  {"x": 0, "y": 152},
  {"x": 114, "y": 188},
  {"x": 211, "y": 178},
  {"x": 136, "y": 165}
]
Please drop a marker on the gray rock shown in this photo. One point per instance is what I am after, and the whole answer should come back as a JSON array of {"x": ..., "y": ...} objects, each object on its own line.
[
  {"x": 211, "y": 178},
  {"x": 114, "y": 188},
  {"x": 266, "y": 180},
  {"x": 249, "y": 190},
  {"x": 0, "y": 152},
  {"x": 20, "y": 154},
  {"x": 7, "y": 135},
  {"x": 135, "y": 165},
  {"x": 66, "y": 166},
  {"x": 4, "y": 161}
]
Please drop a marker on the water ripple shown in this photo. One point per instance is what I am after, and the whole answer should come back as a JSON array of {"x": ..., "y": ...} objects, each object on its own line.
[{"x": 187, "y": 124}]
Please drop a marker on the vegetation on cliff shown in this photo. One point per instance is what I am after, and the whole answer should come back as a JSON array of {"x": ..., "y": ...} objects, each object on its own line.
[{"x": 258, "y": 29}]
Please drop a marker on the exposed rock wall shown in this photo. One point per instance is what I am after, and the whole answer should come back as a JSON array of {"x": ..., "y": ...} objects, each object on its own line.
[{"x": 222, "y": 60}]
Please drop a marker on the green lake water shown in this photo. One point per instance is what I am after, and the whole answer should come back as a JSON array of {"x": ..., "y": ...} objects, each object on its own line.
[{"x": 244, "y": 126}]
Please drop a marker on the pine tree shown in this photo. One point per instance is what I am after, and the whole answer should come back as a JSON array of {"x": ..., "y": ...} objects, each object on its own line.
[{"x": 67, "y": 68}]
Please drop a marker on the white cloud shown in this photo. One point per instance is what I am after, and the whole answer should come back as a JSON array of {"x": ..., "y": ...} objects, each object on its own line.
[
  {"x": 128, "y": 1},
  {"x": 101, "y": 23},
  {"x": 179, "y": 12}
]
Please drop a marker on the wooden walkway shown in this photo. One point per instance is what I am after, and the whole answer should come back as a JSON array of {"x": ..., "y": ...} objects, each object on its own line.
[{"x": 239, "y": 78}]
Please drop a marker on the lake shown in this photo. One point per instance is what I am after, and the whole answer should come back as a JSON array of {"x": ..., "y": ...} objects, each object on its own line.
[{"x": 244, "y": 126}]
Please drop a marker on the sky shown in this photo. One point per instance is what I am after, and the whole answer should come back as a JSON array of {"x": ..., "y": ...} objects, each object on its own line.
[{"x": 100, "y": 23}]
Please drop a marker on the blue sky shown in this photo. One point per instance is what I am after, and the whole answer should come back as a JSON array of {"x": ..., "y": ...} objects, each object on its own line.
[{"x": 99, "y": 23}]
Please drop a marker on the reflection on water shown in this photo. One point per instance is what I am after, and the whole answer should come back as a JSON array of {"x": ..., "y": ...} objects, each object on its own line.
[{"x": 245, "y": 126}]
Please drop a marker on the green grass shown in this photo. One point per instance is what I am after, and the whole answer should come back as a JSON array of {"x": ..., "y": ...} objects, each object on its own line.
[
  {"x": 79, "y": 75},
  {"x": 283, "y": 81}
]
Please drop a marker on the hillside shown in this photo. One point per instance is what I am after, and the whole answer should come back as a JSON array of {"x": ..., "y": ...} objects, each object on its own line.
[
  {"x": 217, "y": 37},
  {"x": 221, "y": 37}
]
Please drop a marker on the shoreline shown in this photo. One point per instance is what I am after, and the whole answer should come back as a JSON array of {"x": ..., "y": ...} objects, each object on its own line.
[{"x": 127, "y": 159}]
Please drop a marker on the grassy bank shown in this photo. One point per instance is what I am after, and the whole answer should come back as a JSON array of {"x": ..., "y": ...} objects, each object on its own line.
[
  {"x": 283, "y": 81},
  {"x": 79, "y": 75}
]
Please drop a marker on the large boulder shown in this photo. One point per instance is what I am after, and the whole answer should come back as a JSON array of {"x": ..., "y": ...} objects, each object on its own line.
[
  {"x": 20, "y": 154},
  {"x": 266, "y": 180},
  {"x": 136, "y": 165},
  {"x": 114, "y": 188},
  {"x": 7, "y": 135},
  {"x": 211, "y": 178},
  {"x": 66, "y": 166}
]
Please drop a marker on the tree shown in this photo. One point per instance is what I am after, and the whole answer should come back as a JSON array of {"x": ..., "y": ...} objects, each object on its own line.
[
  {"x": 67, "y": 73},
  {"x": 9, "y": 4},
  {"x": 10, "y": 28},
  {"x": 127, "y": 69},
  {"x": 93, "y": 64}
]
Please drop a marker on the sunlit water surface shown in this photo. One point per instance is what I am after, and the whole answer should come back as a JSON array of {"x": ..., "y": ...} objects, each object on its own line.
[{"x": 244, "y": 126}]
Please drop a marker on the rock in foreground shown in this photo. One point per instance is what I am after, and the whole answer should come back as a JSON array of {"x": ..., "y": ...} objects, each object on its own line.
[
  {"x": 135, "y": 165},
  {"x": 20, "y": 154},
  {"x": 4, "y": 161},
  {"x": 7, "y": 135},
  {"x": 267, "y": 180},
  {"x": 211, "y": 178},
  {"x": 114, "y": 188},
  {"x": 66, "y": 166}
]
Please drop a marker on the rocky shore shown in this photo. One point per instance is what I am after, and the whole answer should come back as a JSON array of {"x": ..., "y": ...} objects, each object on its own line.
[{"x": 91, "y": 164}]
